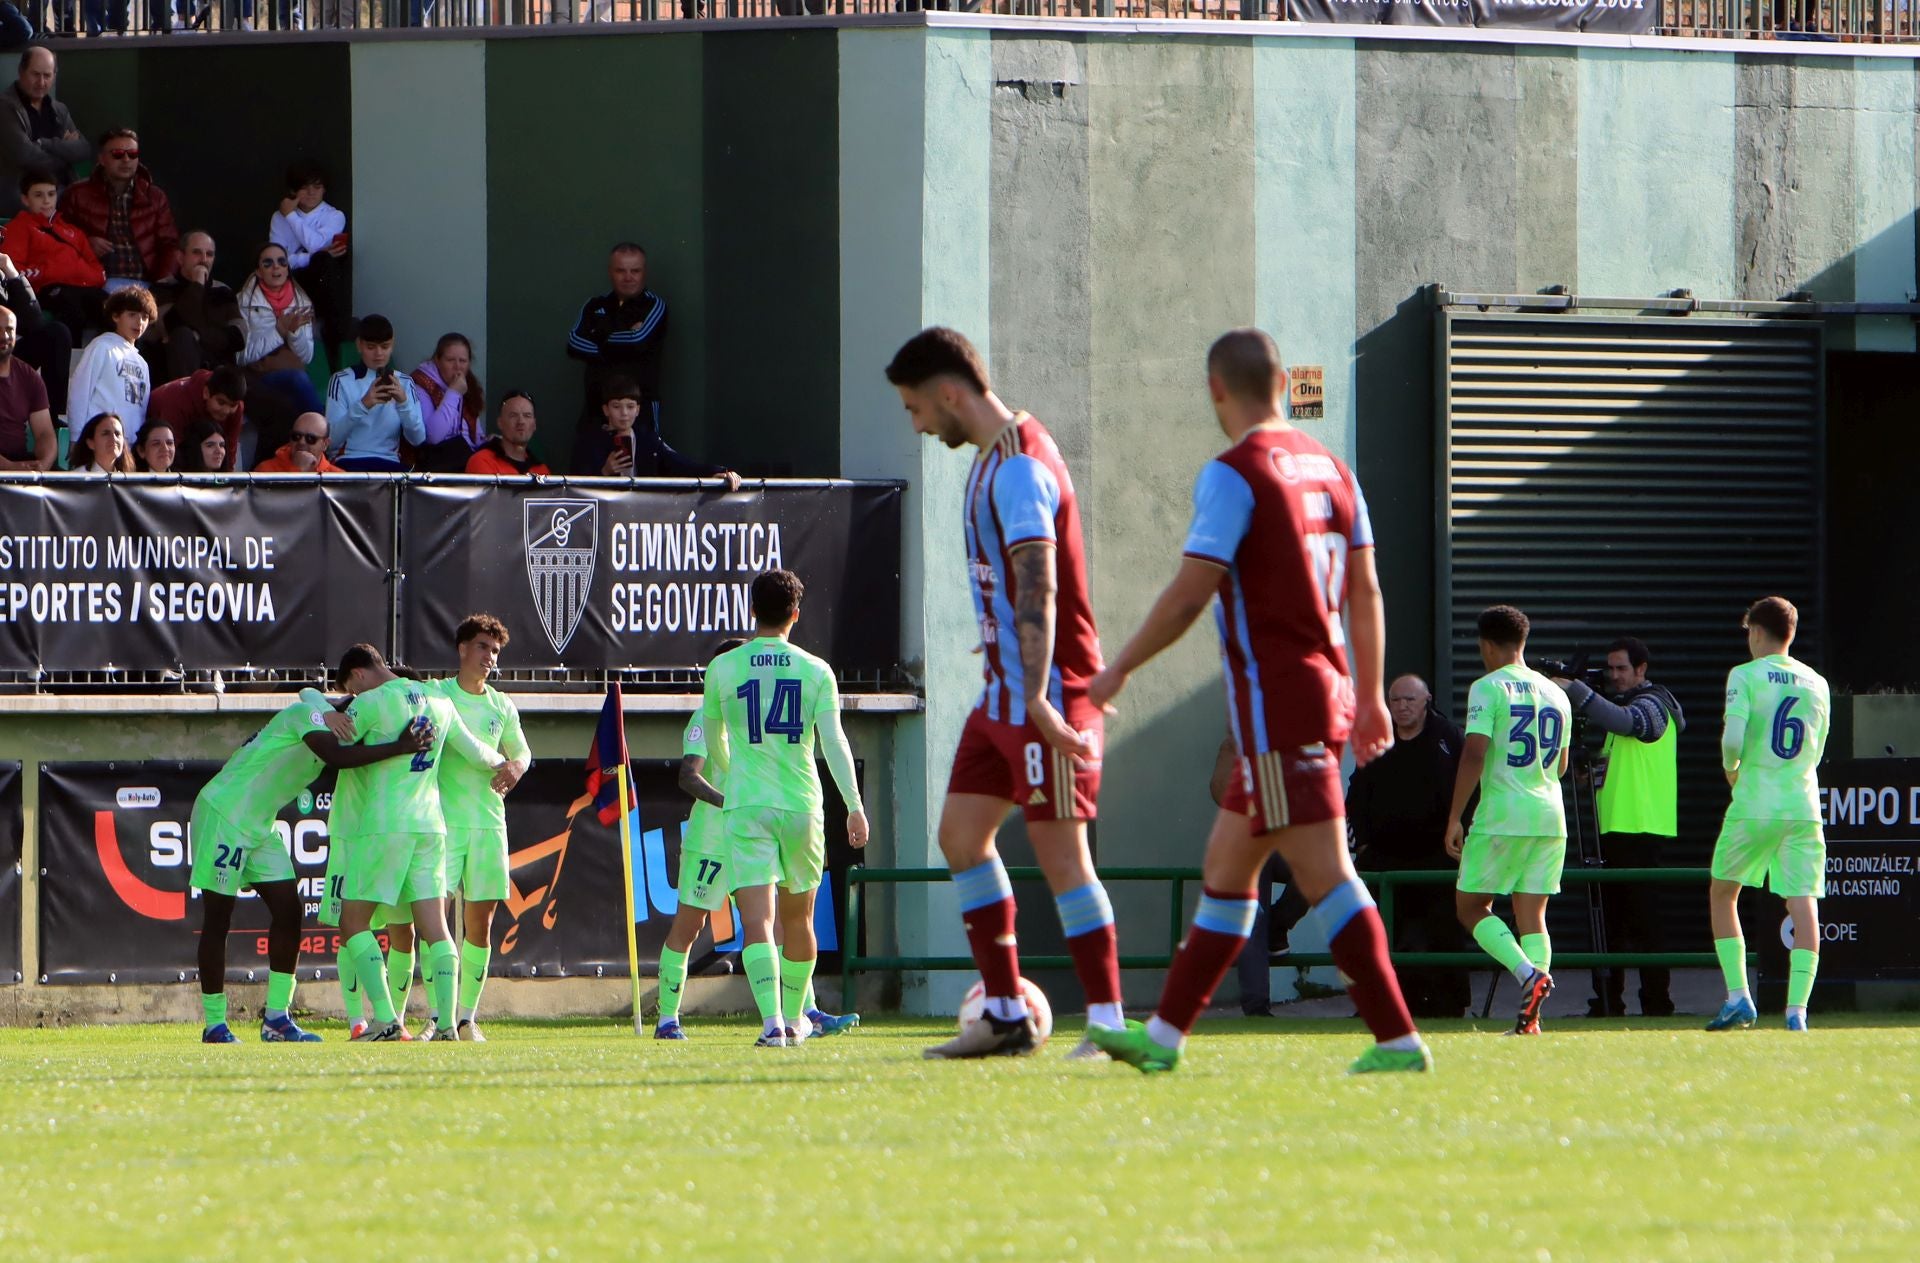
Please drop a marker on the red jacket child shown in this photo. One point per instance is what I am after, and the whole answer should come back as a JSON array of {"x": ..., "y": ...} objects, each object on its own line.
[{"x": 51, "y": 251}]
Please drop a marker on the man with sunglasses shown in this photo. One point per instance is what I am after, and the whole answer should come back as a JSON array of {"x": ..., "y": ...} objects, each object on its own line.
[
  {"x": 127, "y": 218},
  {"x": 304, "y": 452}
]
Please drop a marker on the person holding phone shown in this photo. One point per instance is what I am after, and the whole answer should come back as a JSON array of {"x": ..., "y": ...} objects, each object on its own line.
[{"x": 370, "y": 408}]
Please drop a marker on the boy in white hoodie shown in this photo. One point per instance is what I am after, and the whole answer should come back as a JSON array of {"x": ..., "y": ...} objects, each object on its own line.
[
  {"x": 111, "y": 375},
  {"x": 314, "y": 234}
]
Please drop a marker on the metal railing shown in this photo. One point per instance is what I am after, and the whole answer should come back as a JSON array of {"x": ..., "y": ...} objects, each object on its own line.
[
  {"x": 854, "y": 962},
  {"x": 1842, "y": 21}
]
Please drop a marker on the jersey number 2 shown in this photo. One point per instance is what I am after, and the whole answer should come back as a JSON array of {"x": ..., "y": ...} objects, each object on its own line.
[{"x": 783, "y": 711}]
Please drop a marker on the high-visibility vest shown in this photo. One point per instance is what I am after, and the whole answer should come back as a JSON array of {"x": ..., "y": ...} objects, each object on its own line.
[{"x": 1640, "y": 791}]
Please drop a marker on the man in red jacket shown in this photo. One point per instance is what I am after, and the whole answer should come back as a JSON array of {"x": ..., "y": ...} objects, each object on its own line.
[
  {"x": 304, "y": 452},
  {"x": 506, "y": 454},
  {"x": 126, "y": 217}
]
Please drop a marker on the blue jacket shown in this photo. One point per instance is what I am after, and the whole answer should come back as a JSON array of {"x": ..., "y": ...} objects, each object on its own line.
[{"x": 356, "y": 430}]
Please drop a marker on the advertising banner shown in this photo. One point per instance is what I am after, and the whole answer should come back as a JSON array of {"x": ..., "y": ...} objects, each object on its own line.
[
  {"x": 12, "y": 829},
  {"x": 116, "y": 848},
  {"x": 1617, "y": 17},
  {"x": 1870, "y": 915},
  {"x": 598, "y": 575},
  {"x": 151, "y": 574}
]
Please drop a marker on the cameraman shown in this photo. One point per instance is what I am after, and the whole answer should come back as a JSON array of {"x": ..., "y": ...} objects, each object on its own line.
[{"x": 1636, "y": 783}]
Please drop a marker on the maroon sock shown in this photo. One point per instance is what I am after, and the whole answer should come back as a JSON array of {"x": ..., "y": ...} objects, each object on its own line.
[
  {"x": 1096, "y": 962},
  {"x": 990, "y": 935},
  {"x": 1360, "y": 951},
  {"x": 1220, "y": 928}
]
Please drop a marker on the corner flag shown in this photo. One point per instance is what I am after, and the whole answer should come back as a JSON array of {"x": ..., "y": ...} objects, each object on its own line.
[{"x": 608, "y": 751}]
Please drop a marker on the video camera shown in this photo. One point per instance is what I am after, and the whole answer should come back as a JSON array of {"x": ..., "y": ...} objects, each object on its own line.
[{"x": 1575, "y": 668}]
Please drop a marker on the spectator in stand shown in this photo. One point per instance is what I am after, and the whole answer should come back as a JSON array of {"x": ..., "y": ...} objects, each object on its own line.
[
  {"x": 40, "y": 340},
  {"x": 314, "y": 235},
  {"x": 304, "y": 452},
  {"x": 218, "y": 395},
  {"x": 620, "y": 335},
  {"x": 101, "y": 448},
  {"x": 200, "y": 325},
  {"x": 155, "y": 452},
  {"x": 278, "y": 316},
  {"x": 110, "y": 375},
  {"x": 37, "y": 135},
  {"x": 370, "y": 408},
  {"x": 205, "y": 451},
  {"x": 24, "y": 418},
  {"x": 507, "y": 454},
  {"x": 56, "y": 257},
  {"x": 1397, "y": 807},
  {"x": 126, "y": 216},
  {"x": 621, "y": 449},
  {"x": 451, "y": 407}
]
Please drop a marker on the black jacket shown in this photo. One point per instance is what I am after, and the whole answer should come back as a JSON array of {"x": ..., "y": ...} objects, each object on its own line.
[
  {"x": 652, "y": 458},
  {"x": 1398, "y": 803},
  {"x": 605, "y": 337}
]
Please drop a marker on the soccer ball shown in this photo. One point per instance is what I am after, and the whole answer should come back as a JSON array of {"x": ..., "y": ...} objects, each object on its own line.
[{"x": 975, "y": 1004}]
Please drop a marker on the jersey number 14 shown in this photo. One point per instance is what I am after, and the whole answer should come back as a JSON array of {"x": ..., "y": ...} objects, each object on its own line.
[{"x": 783, "y": 711}]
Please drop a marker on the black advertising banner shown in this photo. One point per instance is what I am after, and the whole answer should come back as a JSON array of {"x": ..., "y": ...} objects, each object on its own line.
[
  {"x": 12, "y": 828},
  {"x": 598, "y": 574},
  {"x": 150, "y": 574},
  {"x": 1870, "y": 916},
  {"x": 1616, "y": 17},
  {"x": 116, "y": 855}
]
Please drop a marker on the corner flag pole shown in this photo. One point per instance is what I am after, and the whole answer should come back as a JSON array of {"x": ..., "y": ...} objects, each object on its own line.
[{"x": 626, "y": 867}]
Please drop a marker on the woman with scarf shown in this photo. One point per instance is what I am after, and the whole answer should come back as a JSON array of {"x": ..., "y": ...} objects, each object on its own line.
[
  {"x": 279, "y": 325},
  {"x": 452, "y": 405}
]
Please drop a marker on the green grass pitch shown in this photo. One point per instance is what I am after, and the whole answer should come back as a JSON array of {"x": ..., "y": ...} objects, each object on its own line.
[{"x": 1636, "y": 1141}]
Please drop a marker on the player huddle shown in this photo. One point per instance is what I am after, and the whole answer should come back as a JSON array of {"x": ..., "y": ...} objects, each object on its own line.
[
  {"x": 1280, "y": 546},
  {"x": 417, "y": 816}
]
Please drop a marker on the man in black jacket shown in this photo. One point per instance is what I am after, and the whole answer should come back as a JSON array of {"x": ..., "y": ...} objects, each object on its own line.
[
  {"x": 1397, "y": 806},
  {"x": 1637, "y": 791},
  {"x": 621, "y": 334}
]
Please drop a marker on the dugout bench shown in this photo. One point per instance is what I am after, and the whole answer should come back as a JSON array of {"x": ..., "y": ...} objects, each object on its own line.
[{"x": 854, "y": 962}]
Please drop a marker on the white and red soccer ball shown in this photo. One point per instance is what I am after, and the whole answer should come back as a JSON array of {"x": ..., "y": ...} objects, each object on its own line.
[{"x": 975, "y": 1003}]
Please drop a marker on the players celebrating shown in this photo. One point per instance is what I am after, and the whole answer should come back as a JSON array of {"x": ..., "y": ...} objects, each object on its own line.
[
  {"x": 1516, "y": 753},
  {"x": 1776, "y": 731},
  {"x": 1280, "y": 535},
  {"x": 1034, "y": 739},
  {"x": 772, "y": 699},
  {"x": 235, "y": 846}
]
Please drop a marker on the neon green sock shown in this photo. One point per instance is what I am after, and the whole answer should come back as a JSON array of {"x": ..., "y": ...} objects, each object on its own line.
[
  {"x": 673, "y": 977},
  {"x": 1497, "y": 941},
  {"x": 279, "y": 992},
  {"x": 1733, "y": 962},
  {"x": 809, "y": 1000},
  {"x": 1539, "y": 950},
  {"x": 473, "y": 976},
  {"x": 364, "y": 951},
  {"x": 399, "y": 980},
  {"x": 443, "y": 959},
  {"x": 215, "y": 1008},
  {"x": 1802, "y": 965},
  {"x": 351, "y": 998},
  {"x": 795, "y": 977},
  {"x": 763, "y": 975}
]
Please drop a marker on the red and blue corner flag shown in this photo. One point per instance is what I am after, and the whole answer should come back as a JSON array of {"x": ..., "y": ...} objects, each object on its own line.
[{"x": 607, "y": 753}]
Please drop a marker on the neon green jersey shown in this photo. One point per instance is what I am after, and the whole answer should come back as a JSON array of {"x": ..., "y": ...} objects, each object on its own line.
[
  {"x": 467, "y": 799},
  {"x": 1525, "y": 717},
  {"x": 1777, "y": 711},
  {"x": 264, "y": 775},
  {"x": 706, "y": 829},
  {"x": 401, "y": 795},
  {"x": 773, "y": 699}
]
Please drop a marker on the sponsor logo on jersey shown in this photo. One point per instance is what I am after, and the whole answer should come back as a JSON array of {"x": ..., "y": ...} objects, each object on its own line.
[
  {"x": 1039, "y": 797},
  {"x": 562, "y": 539}
]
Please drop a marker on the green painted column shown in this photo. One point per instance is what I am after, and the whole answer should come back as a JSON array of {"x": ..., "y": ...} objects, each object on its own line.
[
  {"x": 914, "y": 180},
  {"x": 419, "y": 227}
]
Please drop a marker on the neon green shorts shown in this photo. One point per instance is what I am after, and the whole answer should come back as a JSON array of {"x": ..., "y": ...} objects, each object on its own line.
[
  {"x": 704, "y": 876},
  {"x": 226, "y": 858},
  {"x": 771, "y": 846},
  {"x": 1788, "y": 856},
  {"x": 477, "y": 863},
  {"x": 386, "y": 868},
  {"x": 1491, "y": 865}
]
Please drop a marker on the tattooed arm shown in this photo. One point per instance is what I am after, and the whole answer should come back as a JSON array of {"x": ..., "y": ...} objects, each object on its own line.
[{"x": 1035, "y": 585}]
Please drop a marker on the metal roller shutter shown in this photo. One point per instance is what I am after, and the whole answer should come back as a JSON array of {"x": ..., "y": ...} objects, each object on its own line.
[{"x": 1630, "y": 475}]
